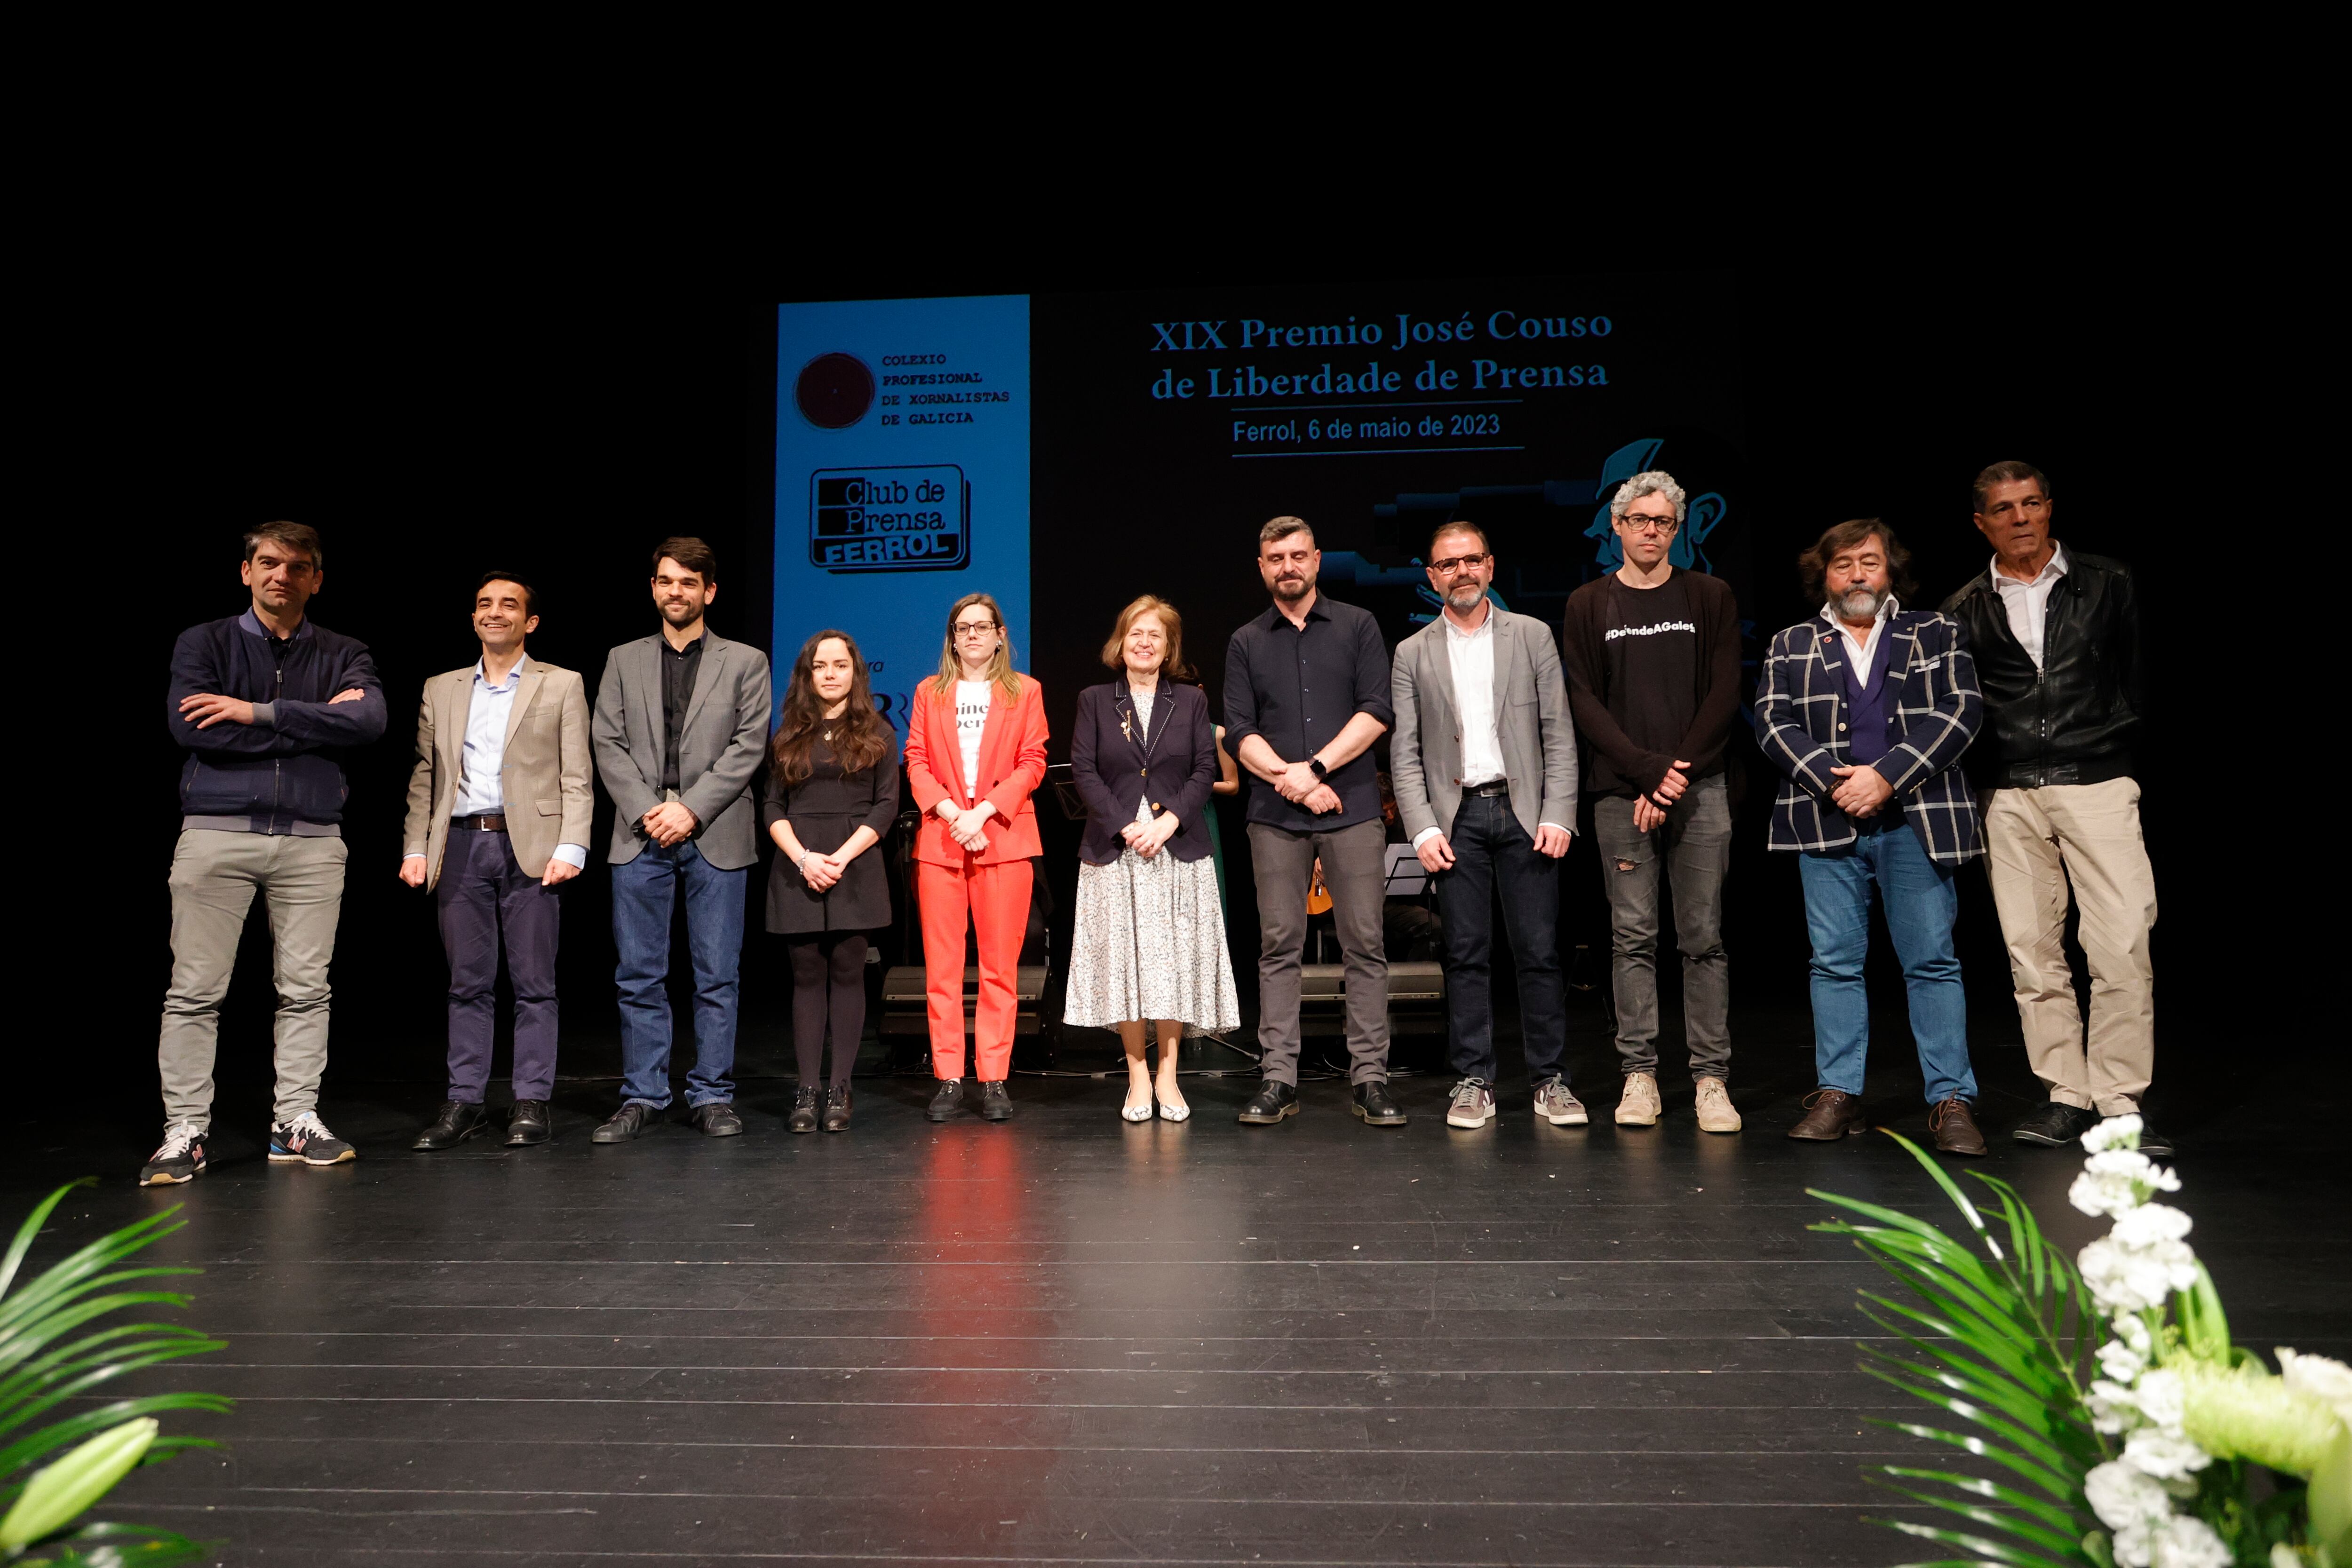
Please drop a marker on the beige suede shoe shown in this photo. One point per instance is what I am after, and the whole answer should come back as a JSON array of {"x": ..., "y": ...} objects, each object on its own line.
[
  {"x": 1638, "y": 1106},
  {"x": 1714, "y": 1111}
]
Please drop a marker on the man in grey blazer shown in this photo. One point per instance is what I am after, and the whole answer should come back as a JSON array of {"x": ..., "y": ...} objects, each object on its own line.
[
  {"x": 681, "y": 722},
  {"x": 1483, "y": 765},
  {"x": 498, "y": 809}
]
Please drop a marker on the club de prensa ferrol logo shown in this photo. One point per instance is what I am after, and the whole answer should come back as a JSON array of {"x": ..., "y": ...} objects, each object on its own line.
[{"x": 914, "y": 518}]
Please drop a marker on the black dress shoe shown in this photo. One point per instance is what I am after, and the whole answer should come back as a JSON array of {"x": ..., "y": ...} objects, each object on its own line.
[
  {"x": 2153, "y": 1144},
  {"x": 453, "y": 1126},
  {"x": 947, "y": 1101},
  {"x": 622, "y": 1124},
  {"x": 804, "y": 1117},
  {"x": 1371, "y": 1102},
  {"x": 836, "y": 1108},
  {"x": 717, "y": 1120},
  {"x": 2056, "y": 1124},
  {"x": 1271, "y": 1104},
  {"x": 527, "y": 1123},
  {"x": 996, "y": 1100}
]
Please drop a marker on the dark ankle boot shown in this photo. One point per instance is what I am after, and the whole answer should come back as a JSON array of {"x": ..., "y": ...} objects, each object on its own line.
[
  {"x": 804, "y": 1117},
  {"x": 836, "y": 1108}
]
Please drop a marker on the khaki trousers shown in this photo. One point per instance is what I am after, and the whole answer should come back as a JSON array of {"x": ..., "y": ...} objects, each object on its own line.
[
  {"x": 2038, "y": 842},
  {"x": 213, "y": 878}
]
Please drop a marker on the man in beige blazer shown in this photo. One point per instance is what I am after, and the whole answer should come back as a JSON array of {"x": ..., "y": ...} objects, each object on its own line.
[{"x": 498, "y": 809}]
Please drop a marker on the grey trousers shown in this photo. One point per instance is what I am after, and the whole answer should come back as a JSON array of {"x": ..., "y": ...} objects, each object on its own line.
[
  {"x": 1355, "y": 870},
  {"x": 1694, "y": 844},
  {"x": 213, "y": 878}
]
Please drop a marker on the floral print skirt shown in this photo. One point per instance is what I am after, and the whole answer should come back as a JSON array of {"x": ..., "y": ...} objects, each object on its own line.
[{"x": 1149, "y": 943}]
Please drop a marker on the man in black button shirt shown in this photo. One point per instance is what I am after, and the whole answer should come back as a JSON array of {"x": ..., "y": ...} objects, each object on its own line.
[{"x": 1307, "y": 693}]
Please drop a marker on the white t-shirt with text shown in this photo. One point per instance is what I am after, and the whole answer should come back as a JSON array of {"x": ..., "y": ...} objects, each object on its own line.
[{"x": 972, "y": 722}]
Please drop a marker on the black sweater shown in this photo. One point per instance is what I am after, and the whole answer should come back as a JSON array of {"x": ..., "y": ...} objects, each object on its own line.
[{"x": 279, "y": 769}]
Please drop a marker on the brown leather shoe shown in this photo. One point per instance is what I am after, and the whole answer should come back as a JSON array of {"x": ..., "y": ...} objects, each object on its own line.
[
  {"x": 1829, "y": 1114},
  {"x": 1956, "y": 1128}
]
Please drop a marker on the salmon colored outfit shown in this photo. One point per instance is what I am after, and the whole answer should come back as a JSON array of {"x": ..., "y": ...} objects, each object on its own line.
[{"x": 994, "y": 885}]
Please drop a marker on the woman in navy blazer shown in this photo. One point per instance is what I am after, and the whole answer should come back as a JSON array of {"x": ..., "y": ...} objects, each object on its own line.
[{"x": 1149, "y": 941}]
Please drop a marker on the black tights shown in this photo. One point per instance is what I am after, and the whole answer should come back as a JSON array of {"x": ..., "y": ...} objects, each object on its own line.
[{"x": 828, "y": 988}]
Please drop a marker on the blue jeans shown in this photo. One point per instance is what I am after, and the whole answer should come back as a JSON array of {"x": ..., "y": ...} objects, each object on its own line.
[
  {"x": 1921, "y": 904},
  {"x": 644, "y": 892}
]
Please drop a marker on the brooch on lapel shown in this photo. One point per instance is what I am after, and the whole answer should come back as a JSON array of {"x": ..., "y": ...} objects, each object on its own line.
[{"x": 1124, "y": 732}]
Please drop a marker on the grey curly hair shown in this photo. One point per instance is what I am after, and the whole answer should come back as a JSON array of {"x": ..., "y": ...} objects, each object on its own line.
[{"x": 1656, "y": 482}]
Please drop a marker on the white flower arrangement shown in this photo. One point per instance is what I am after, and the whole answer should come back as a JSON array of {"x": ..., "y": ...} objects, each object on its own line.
[
  {"x": 2176, "y": 1419},
  {"x": 2122, "y": 1426}
]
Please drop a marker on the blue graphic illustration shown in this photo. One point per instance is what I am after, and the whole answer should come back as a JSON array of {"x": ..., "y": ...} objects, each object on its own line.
[{"x": 1702, "y": 516}]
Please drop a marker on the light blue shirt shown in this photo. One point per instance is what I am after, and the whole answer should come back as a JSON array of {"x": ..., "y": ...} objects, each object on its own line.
[{"x": 481, "y": 787}]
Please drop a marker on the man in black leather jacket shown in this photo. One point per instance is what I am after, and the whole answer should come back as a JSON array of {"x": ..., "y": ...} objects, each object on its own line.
[{"x": 2055, "y": 637}]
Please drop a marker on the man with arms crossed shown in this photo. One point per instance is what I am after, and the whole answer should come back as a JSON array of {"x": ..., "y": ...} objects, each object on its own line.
[
  {"x": 1867, "y": 709},
  {"x": 1307, "y": 693},
  {"x": 2056, "y": 636},
  {"x": 1652, "y": 662},
  {"x": 262, "y": 703},
  {"x": 499, "y": 806},
  {"x": 681, "y": 720},
  {"x": 1483, "y": 765}
]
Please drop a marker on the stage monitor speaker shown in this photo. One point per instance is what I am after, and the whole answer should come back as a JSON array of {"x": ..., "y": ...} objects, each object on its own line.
[{"x": 906, "y": 1002}]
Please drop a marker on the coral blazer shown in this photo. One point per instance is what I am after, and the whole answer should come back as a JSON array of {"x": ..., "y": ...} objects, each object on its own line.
[{"x": 1012, "y": 764}]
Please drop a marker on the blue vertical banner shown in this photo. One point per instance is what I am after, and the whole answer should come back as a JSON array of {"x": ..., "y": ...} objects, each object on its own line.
[{"x": 902, "y": 477}]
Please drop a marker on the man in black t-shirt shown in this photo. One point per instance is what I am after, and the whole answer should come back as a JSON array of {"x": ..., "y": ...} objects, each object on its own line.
[{"x": 1652, "y": 655}]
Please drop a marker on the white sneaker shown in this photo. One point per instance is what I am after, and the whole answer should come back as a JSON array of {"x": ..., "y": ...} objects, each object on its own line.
[
  {"x": 1555, "y": 1104},
  {"x": 1638, "y": 1106},
  {"x": 1716, "y": 1113},
  {"x": 1472, "y": 1104}
]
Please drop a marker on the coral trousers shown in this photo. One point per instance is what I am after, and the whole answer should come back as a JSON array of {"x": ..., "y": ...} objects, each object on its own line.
[{"x": 997, "y": 898}]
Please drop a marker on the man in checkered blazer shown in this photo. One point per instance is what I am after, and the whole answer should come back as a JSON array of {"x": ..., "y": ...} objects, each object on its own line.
[{"x": 1866, "y": 708}]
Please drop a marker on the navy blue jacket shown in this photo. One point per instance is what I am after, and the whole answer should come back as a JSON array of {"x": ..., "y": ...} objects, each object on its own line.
[
  {"x": 1115, "y": 764},
  {"x": 281, "y": 768}
]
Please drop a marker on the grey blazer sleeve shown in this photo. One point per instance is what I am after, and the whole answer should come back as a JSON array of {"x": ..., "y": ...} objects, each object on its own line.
[
  {"x": 608, "y": 737},
  {"x": 1405, "y": 770},
  {"x": 730, "y": 777},
  {"x": 1558, "y": 735}
]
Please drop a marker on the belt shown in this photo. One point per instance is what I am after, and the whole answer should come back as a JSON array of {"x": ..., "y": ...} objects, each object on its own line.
[
  {"x": 1488, "y": 791},
  {"x": 487, "y": 822}
]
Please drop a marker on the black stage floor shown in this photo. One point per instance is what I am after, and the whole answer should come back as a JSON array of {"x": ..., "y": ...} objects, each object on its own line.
[{"x": 1069, "y": 1340}]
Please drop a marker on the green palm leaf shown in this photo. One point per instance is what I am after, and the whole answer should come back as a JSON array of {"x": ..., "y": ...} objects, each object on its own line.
[
  {"x": 50, "y": 1354},
  {"x": 1996, "y": 1330}
]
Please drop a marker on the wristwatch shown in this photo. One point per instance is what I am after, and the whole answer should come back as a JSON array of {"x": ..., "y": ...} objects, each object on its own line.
[{"x": 1315, "y": 763}]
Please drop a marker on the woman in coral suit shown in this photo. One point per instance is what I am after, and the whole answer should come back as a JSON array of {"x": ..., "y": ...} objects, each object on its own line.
[{"x": 975, "y": 749}]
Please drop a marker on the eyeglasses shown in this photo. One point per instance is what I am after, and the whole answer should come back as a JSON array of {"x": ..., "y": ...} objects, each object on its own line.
[
  {"x": 1638, "y": 523},
  {"x": 1458, "y": 563},
  {"x": 974, "y": 628}
]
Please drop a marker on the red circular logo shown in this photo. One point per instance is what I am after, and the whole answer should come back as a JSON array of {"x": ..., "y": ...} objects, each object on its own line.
[{"x": 833, "y": 390}]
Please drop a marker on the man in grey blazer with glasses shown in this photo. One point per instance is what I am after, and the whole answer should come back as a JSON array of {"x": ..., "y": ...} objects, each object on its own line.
[
  {"x": 681, "y": 722},
  {"x": 1483, "y": 765}
]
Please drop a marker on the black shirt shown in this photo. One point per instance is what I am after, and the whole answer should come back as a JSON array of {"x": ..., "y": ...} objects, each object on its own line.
[
  {"x": 1650, "y": 643},
  {"x": 1298, "y": 687},
  {"x": 680, "y": 666}
]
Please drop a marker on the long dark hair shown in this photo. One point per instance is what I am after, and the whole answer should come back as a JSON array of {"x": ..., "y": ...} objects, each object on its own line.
[{"x": 860, "y": 737}]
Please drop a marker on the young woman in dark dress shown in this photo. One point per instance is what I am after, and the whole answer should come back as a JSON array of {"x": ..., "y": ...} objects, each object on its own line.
[{"x": 833, "y": 792}]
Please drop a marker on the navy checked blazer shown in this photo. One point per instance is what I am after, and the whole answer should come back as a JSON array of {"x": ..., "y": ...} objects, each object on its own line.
[{"x": 1800, "y": 722}]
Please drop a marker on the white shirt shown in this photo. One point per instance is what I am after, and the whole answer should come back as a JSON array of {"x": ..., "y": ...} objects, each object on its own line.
[
  {"x": 481, "y": 783},
  {"x": 1864, "y": 651},
  {"x": 971, "y": 723},
  {"x": 1471, "y": 656},
  {"x": 2027, "y": 603}
]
